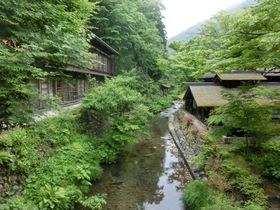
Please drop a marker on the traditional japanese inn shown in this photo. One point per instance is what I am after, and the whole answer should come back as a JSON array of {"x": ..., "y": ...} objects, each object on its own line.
[
  {"x": 71, "y": 87},
  {"x": 202, "y": 97}
]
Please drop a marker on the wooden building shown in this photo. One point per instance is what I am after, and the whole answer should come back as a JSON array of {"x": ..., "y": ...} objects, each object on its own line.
[
  {"x": 202, "y": 97},
  {"x": 71, "y": 87}
]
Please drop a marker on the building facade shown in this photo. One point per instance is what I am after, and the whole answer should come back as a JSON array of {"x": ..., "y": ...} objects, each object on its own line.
[
  {"x": 204, "y": 96},
  {"x": 70, "y": 87}
]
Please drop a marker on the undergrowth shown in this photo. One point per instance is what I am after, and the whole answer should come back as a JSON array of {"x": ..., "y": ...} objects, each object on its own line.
[
  {"x": 59, "y": 157},
  {"x": 58, "y": 160},
  {"x": 234, "y": 174}
]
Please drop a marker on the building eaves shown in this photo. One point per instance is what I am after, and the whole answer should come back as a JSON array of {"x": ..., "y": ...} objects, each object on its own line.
[
  {"x": 96, "y": 40},
  {"x": 241, "y": 76}
]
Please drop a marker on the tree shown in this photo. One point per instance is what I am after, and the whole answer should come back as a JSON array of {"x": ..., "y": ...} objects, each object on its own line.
[
  {"x": 133, "y": 28},
  {"x": 246, "y": 112},
  {"x": 116, "y": 110},
  {"x": 35, "y": 34},
  {"x": 245, "y": 39}
]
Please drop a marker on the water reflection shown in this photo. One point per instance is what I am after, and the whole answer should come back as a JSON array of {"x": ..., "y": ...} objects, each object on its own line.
[{"x": 147, "y": 176}]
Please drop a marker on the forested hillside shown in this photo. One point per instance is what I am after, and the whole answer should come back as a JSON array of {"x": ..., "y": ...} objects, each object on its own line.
[
  {"x": 53, "y": 161},
  {"x": 194, "y": 30},
  {"x": 136, "y": 30},
  {"x": 50, "y": 164},
  {"x": 247, "y": 39},
  {"x": 56, "y": 35},
  {"x": 32, "y": 38}
]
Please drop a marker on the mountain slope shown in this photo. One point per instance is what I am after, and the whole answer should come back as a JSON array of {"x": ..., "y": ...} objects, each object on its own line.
[{"x": 190, "y": 32}]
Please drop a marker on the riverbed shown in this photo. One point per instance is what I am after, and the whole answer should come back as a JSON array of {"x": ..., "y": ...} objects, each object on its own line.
[{"x": 148, "y": 175}]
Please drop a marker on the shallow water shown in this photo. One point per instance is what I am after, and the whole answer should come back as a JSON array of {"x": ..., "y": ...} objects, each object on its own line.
[
  {"x": 273, "y": 193},
  {"x": 148, "y": 175}
]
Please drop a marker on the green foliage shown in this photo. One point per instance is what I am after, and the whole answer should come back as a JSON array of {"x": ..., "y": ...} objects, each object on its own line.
[
  {"x": 117, "y": 108},
  {"x": 135, "y": 29},
  {"x": 249, "y": 184},
  {"x": 58, "y": 160},
  {"x": 228, "y": 171},
  {"x": 41, "y": 138},
  {"x": 53, "y": 196},
  {"x": 245, "y": 39},
  {"x": 265, "y": 160},
  {"x": 201, "y": 196},
  {"x": 196, "y": 195},
  {"x": 18, "y": 203},
  {"x": 36, "y": 34},
  {"x": 115, "y": 112},
  {"x": 94, "y": 202},
  {"x": 5, "y": 157},
  {"x": 244, "y": 113}
]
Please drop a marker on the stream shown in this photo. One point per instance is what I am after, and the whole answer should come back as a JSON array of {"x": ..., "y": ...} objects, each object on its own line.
[{"x": 148, "y": 175}]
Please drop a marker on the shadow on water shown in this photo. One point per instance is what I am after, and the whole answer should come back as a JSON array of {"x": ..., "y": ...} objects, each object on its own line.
[
  {"x": 273, "y": 193},
  {"x": 148, "y": 175}
]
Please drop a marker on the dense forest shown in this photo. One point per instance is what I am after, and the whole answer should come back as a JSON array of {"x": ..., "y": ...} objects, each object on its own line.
[
  {"x": 194, "y": 30},
  {"x": 49, "y": 164},
  {"x": 56, "y": 36},
  {"x": 241, "y": 40},
  {"x": 246, "y": 39},
  {"x": 52, "y": 163}
]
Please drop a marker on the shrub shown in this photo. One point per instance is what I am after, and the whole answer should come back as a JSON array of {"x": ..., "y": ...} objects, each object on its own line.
[
  {"x": 196, "y": 195},
  {"x": 187, "y": 119},
  {"x": 18, "y": 203},
  {"x": 115, "y": 108},
  {"x": 52, "y": 197},
  {"x": 266, "y": 160},
  {"x": 227, "y": 170},
  {"x": 58, "y": 159},
  {"x": 5, "y": 157},
  {"x": 94, "y": 202}
]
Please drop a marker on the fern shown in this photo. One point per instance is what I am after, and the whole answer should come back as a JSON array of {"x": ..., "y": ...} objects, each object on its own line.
[
  {"x": 94, "y": 202},
  {"x": 5, "y": 157}
]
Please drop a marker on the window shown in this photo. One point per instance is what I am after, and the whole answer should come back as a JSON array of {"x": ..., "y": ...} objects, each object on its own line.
[
  {"x": 70, "y": 90},
  {"x": 102, "y": 63},
  {"x": 45, "y": 90},
  {"x": 81, "y": 87},
  {"x": 67, "y": 90}
]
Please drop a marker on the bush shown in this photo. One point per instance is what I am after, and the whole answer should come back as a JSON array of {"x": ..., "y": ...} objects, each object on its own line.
[
  {"x": 94, "y": 202},
  {"x": 196, "y": 195},
  {"x": 266, "y": 160},
  {"x": 115, "y": 108},
  {"x": 32, "y": 145},
  {"x": 58, "y": 159},
  {"x": 228, "y": 171},
  {"x": 5, "y": 157}
]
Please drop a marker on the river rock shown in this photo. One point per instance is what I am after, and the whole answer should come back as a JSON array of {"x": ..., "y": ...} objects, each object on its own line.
[{"x": 148, "y": 155}]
